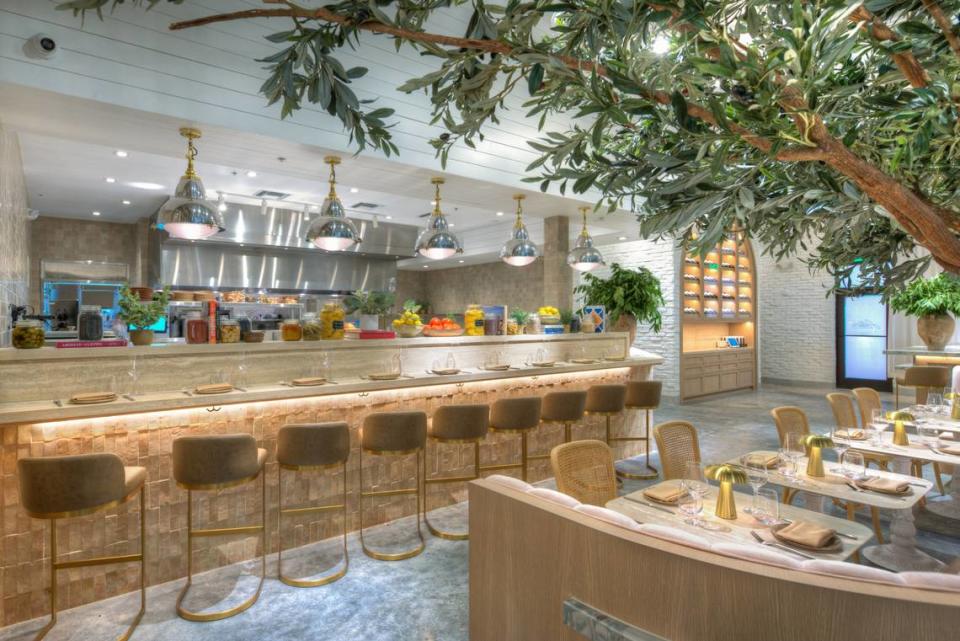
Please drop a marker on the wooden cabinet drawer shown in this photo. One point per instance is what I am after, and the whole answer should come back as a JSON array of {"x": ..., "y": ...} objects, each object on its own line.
[
  {"x": 745, "y": 378},
  {"x": 692, "y": 387},
  {"x": 745, "y": 355},
  {"x": 710, "y": 384},
  {"x": 710, "y": 359},
  {"x": 692, "y": 361},
  {"x": 728, "y": 381}
]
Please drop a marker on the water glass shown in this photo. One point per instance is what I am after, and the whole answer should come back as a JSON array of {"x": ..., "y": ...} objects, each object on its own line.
[
  {"x": 694, "y": 479},
  {"x": 928, "y": 434},
  {"x": 756, "y": 475},
  {"x": 839, "y": 432},
  {"x": 786, "y": 465},
  {"x": 435, "y": 366},
  {"x": 934, "y": 401},
  {"x": 451, "y": 361},
  {"x": 853, "y": 466},
  {"x": 133, "y": 376},
  {"x": 767, "y": 510},
  {"x": 691, "y": 505}
]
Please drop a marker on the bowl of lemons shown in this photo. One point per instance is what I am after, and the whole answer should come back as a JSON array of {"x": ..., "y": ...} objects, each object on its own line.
[{"x": 408, "y": 325}]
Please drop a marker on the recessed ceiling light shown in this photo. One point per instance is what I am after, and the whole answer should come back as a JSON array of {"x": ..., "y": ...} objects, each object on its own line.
[
  {"x": 452, "y": 225},
  {"x": 460, "y": 261},
  {"x": 251, "y": 174},
  {"x": 499, "y": 213},
  {"x": 622, "y": 238},
  {"x": 389, "y": 217},
  {"x": 354, "y": 190},
  {"x": 147, "y": 186},
  {"x": 110, "y": 179},
  {"x": 426, "y": 266},
  {"x": 96, "y": 213},
  {"x": 120, "y": 153},
  {"x": 125, "y": 202}
]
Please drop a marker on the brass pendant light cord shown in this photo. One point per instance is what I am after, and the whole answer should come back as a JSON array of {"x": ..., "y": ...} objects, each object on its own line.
[
  {"x": 190, "y": 134},
  {"x": 518, "y": 223},
  {"x": 436, "y": 197},
  {"x": 333, "y": 161}
]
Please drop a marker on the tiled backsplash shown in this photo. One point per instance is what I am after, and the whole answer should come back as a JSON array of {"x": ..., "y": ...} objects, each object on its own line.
[{"x": 14, "y": 231}]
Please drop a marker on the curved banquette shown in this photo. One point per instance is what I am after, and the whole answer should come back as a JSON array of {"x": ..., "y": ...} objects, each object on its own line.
[{"x": 533, "y": 548}]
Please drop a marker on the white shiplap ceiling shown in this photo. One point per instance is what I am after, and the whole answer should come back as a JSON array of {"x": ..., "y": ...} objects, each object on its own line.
[{"x": 68, "y": 147}]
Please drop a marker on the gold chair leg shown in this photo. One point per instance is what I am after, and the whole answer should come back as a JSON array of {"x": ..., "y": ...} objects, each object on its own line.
[
  {"x": 651, "y": 472},
  {"x": 936, "y": 475},
  {"x": 189, "y": 615},
  {"x": 852, "y": 516},
  {"x": 875, "y": 517},
  {"x": 450, "y": 536},
  {"x": 393, "y": 556},
  {"x": 309, "y": 583},
  {"x": 788, "y": 495}
]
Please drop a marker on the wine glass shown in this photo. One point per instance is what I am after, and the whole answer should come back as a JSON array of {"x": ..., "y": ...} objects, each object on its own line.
[
  {"x": 934, "y": 401},
  {"x": 694, "y": 478},
  {"x": 691, "y": 505},
  {"x": 133, "y": 374},
  {"x": 929, "y": 434},
  {"x": 877, "y": 425},
  {"x": 840, "y": 432},
  {"x": 757, "y": 476},
  {"x": 768, "y": 507},
  {"x": 241, "y": 369},
  {"x": 853, "y": 466},
  {"x": 785, "y": 465},
  {"x": 451, "y": 361}
]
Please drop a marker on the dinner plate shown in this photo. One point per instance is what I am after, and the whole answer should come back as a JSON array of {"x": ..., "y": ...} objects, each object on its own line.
[{"x": 833, "y": 545}]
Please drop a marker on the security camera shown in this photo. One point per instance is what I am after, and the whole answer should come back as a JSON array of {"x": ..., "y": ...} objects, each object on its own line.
[
  {"x": 33, "y": 214},
  {"x": 41, "y": 46}
]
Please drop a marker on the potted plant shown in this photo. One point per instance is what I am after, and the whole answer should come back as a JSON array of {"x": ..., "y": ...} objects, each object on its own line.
[
  {"x": 519, "y": 317},
  {"x": 567, "y": 318},
  {"x": 629, "y": 296},
  {"x": 932, "y": 301},
  {"x": 141, "y": 315},
  {"x": 370, "y": 306}
]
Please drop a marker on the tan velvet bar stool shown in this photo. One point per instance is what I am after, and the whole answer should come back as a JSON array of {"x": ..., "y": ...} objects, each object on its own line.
[
  {"x": 456, "y": 424},
  {"x": 61, "y": 487},
  {"x": 515, "y": 416},
  {"x": 393, "y": 434},
  {"x": 213, "y": 463},
  {"x": 922, "y": 378},
  {"x": 565, "y": 408},
  {"x": 607, "y": 400},
  {"x": 310, "y": 447},
  {"x": 645, "y": 396}
]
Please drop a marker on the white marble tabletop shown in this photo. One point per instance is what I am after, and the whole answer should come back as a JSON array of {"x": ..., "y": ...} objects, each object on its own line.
[
  {"x": 834, "y": 485},
  {"x": 927, "y": 416},
  {"x": 738, "y": 531},
  {"x": 915, "y": 450}
]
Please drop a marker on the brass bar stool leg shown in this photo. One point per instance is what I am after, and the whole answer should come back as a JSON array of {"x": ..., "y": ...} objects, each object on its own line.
[
  {"x": 53, "y": 583},
  {"x": 651, "y": 472},
  {"x": 450, "y": 536},
  {"x": 524, "y": 458},
  {"x": 406, "y": 554},
  {"x": 567, "y": 432},
  {"x": 191, "y": 533}
]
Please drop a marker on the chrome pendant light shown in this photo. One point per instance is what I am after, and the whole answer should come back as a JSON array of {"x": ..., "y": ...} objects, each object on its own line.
[
  {"x": 436, "y": 241},
  {"x": 189, "y": 214},
  {"x": 519, "y": 250},
  {"x": 332, "y": 230},
  {"x": 584, "y": 256}
]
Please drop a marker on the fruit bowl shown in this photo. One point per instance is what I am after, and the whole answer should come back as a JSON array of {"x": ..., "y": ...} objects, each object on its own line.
[
  {"x": 439, "y": 333},
  {"x": 408, "y": 331}
]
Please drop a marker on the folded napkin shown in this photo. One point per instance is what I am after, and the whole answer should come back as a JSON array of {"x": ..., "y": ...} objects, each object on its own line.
[
  {"x": 807, "y": 534},
  {"x": 853, "y": 435},
  {"x": 951, "y": 449},
  {"x": 767, "y": 459},
  {"x": 446, "y": 372},
  {"x": 885, "y": 485},
  {"x": 307, "y": 382},
  {"x": 93, "y": 397},
  {"x": 214, "y": 388},
  {"x": 383, "y": 376},
  {"x": 543, "y": 364},
  {"x": 664, "y": 493}
]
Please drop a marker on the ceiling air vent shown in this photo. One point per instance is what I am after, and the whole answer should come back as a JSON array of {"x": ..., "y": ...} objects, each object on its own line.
[
  {"x": 363, "y": 205},
  {"x": 271, "y": 195}
]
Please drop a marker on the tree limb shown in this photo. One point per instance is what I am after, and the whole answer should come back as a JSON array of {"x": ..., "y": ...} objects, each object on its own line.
[
  {"x": 914, "y": 72},
  {"x": 943, "y": 22}
]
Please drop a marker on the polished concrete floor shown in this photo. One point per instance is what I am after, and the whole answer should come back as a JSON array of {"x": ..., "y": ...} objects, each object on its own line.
[{"x": 424, "y": 598}]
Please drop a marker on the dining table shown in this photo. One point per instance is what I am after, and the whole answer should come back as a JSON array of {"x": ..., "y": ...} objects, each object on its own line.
[
  {"x": 636, "y": 506},
  {"x": 901, "y": 553}
]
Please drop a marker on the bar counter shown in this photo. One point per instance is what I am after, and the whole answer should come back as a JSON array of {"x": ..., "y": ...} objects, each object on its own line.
[{"x": 36, "y": 419}]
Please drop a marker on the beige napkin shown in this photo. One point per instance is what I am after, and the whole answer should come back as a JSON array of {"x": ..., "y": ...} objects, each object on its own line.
[
  {"x": 806, "y": 533},
  {"x": 951, "y": 449},
  {"x": 214, "y": 388},
  {"x": 307, "y": 382},
  {"x": 853, "y": 435},
  {"x": 664, "y": 493},
  {"x": 885, "y": 485},
  {"x": 93, "y": 397},
  {"x": 767, "y": 459}
]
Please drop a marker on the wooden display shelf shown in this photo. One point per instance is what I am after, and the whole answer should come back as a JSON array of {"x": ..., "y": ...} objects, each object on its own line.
[{"x": 728, "y": 272}]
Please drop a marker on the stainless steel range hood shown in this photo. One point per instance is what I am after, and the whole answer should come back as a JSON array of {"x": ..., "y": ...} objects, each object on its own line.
[{"x": 267, "y": 251}]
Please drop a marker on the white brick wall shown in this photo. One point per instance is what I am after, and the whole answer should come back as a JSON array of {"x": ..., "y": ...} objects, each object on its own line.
[
  {"x": 662, "y": 258},
  {"x": 797, "y": 322}
]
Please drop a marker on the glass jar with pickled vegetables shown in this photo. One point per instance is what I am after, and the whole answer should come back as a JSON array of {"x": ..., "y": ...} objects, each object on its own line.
[
  {"x": 473, "y": 320},
  {"x": 290, "y": 330},
  {"x": 28, "y": 334},
  {"x": 312, "y": 329},
  {"x": 229, "y": 330},
  {"x": 332, "y": 319}
]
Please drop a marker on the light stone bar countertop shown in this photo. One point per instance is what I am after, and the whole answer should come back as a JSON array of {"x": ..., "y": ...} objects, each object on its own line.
[{"x": 921, "y": 350}]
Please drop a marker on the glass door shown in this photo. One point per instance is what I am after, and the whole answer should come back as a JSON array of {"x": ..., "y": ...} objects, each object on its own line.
[{"x": 861, "y": 341}]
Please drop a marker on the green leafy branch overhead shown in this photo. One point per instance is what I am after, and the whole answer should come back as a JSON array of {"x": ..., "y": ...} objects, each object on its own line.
[{"x": 824, "y": 128}]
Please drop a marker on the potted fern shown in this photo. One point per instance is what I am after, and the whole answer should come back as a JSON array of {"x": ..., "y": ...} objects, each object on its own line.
[
  {"x": 629, "y": 296},
  {"x": 932, "y": 301},
  {"x": 370, "y": 306},
  {"x": 141, "y": 315}
]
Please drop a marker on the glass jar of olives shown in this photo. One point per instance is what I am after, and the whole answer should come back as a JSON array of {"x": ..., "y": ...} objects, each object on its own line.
[
  {"x": 28, "y": 334},
  {"x": 312, "y": 329}
]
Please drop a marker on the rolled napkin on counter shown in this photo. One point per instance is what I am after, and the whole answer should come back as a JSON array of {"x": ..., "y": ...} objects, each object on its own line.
[
  {"x": 953, "y": 450},
  {"x": 308, "y": 382},
  {"x": 213, "y": 388},
  {"x": 884, "y": 485},
  {"x": 806, "y": 534},
  {"x": 93, "y": 398},
  {"x": 851, "y": 434},
  {"x": 767, "y": 459},
  {"x": 664, "y": 493}
]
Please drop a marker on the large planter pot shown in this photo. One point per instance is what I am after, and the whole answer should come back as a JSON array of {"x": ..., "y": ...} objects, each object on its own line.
[
  {"x": 369, "y": 321},
  {"x": 145, "y": 294},
  {"x": 141, "y": 336},
  {"x": 627, "y": 323},
  {"x": 935, "y": 330}
]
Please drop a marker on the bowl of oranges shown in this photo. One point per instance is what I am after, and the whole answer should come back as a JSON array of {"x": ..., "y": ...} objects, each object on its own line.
[
  {"x": 442, "y": 327},
  {"x": 408, "y": 325}
]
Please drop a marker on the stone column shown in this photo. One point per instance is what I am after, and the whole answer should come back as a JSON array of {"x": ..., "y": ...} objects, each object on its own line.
[{"x": 557, "y": 275}]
